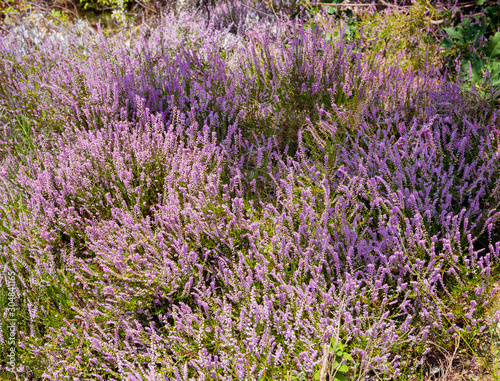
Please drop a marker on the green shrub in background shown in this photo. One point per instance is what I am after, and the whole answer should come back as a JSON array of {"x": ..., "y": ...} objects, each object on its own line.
[
  {"x": 103, "y": 4},
  {"x": 348, "y": 21},
  {"x": 405, "y": 35},
  {"x": 474, "y": 45}
]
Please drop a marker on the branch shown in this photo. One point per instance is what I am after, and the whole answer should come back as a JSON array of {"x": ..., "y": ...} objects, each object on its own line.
[{"x": 348, "y": 5}]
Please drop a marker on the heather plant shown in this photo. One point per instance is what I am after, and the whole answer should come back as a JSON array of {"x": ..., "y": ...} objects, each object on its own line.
[
  {"x": 203, "y": 202},
  {"x": 463, "y": 210},
  {"x": 405, "y": 35},
  {"x": 319, "y": 74},
  {"x": 337, "y": 20}
]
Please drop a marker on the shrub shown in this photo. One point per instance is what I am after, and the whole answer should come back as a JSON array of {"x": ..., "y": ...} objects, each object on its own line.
[
  {"x": 473, "y": 46},
  {"x": 405, "y": 35}
]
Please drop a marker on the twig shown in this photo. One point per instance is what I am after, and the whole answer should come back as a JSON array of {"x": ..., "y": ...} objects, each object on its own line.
[
  {"x": 256, "y": 10},
  {"x": 391, "y": 5},
  {"x": 56, "y": 18},
  {"x": 66, "y": 9},
  {"x": 48, "y": 12},
  {"x": 143, "y": 5},
  {"x": 467, "y": 5},
  {"x": 349, "y": 5},
  {"x": 21, "y": 17},
  {"x": 4, "y": 28},
  {"x": 48, "y": 9},
  {"x": 436, "y": 22}
]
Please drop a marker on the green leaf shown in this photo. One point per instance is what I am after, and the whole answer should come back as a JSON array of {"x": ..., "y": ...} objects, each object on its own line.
[
  {"x": 453, "y": 33},
  {"x": 330, "y": 10},
  {"x": 337, "y": 345},
  {"x": 341, "y": 367},
  {"x": 480, "y": 2},
  {"x": 345, "y": 355},
  {"x": 316, "y": 375},
  {"x": 447, "y": 43},
  {"x": 339, "y": 374},
  {"x": 492, "y": 47},
  {"x": 340, "y": 377},
  {"x": 493, "y": 68},
  {"x": 475, "y": 66}
]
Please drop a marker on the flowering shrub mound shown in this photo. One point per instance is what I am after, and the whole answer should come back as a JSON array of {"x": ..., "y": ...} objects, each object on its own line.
[{"x": 199, "y": 204}]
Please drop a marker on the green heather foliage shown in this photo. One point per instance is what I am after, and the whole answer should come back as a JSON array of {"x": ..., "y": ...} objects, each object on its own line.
[
  {"x": 405, "y": 37},
  {"x": 239, "y": 199}
]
